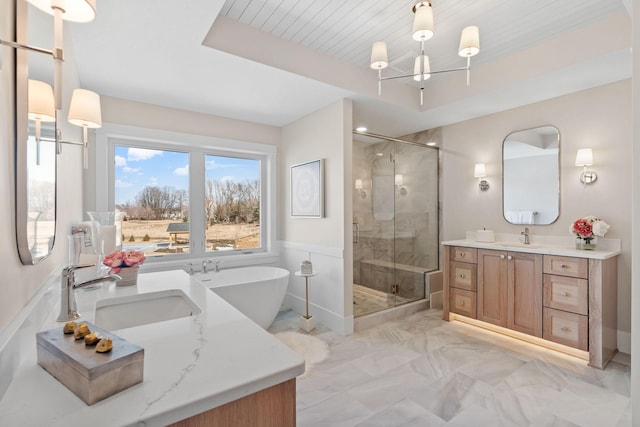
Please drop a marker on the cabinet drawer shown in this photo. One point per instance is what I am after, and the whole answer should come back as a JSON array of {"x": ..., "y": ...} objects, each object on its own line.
[
  {"x": 566, "y": 328},
  {"x": 463, "y": 275},
  {"x": 462, "y": 302},
  {"x": 460, "y": 253},
  {"x": 566, "y": 293},
  {"x": 566, "y": 266}
]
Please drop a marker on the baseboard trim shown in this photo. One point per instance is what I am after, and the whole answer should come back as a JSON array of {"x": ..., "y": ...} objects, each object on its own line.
[{"x": 340, "y": 324}]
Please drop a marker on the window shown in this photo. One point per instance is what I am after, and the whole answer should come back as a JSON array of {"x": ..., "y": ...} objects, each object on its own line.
[
  {"x": 232, "y": 203},
  {"x": 189, "y": 199},
  {"x": 151, "y": 190}
]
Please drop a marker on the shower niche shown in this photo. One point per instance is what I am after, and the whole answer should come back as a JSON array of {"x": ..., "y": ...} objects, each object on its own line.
[{"x": 395, "y": 223}]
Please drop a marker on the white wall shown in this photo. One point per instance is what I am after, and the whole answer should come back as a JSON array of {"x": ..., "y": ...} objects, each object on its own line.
[
  {"x": 325, "y": 134},
  {"x": 598, "y": 118},
  {"x": 19, "y": 282}
]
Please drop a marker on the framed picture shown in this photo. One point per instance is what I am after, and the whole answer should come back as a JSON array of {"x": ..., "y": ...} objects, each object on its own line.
[{"x": 307, "y": 189}]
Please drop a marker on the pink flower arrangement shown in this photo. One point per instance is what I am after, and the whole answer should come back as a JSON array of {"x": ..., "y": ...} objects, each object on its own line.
[
  {"x": 123, "y": 259},
  {"x": 589, "y": 227}
]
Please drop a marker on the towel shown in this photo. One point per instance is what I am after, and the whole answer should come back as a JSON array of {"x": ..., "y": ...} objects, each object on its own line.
[{"x": 519, "y": 217}]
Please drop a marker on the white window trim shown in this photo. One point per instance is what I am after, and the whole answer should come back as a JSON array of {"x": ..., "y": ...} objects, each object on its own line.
[{"x": 111, "y": 135}]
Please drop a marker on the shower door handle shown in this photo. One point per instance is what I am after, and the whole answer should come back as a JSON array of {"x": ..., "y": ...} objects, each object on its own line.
[{"x": 356, "y": 232}]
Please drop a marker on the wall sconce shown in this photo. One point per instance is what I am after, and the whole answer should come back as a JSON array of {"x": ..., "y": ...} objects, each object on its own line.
[
  {"x": 359, "y": 188},
  {"x": 480, "y": 172},
  {"x": 84, "y": 111},
  {"x": 84, "y": 114},
  {"x": 41, "y": 109},
  {"x": 398, "y": 180},
  {"x": 584, "y": 158}
]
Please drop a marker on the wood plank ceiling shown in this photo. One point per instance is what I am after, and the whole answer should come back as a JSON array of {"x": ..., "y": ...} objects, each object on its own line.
[{"x": 347, "y": 29}]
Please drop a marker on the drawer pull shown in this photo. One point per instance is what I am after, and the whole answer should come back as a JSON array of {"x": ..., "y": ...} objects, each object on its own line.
[
  {"x": 501, "y": 256},
  {"x": 564, "y": 266},
  {"x": 461, "y": 303},
  {"x": 461, "y": 275},
  {"x": 564, "y": 294},
  {"x": 461, "y": 254},
  {"x": 509, "y": 257},
  {"x": 565, "y": 329}
]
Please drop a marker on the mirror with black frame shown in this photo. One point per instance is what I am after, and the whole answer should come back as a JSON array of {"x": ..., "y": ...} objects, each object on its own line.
[
  {"x": 35, "y": 147},
  {"x": 531, "y": 176}
]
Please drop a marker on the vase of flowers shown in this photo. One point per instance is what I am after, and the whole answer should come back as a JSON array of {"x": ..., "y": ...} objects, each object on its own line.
[
  {"x": 125, "y": 264},
  {"x": 587, "y": 231}
]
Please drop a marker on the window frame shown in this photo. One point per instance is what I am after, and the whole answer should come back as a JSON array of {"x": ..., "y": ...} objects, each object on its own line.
[{"x": 197, "y": 147}]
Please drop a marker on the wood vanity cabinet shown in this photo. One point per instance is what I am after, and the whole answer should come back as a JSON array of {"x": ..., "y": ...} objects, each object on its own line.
[
  {"x": 510, "y": 290},
  {"x": 462, "y": 278},
  {"x": 565, "y": 300}
]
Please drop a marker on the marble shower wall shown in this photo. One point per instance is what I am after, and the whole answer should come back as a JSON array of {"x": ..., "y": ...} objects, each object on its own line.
[{"x": 406, "y": 246}]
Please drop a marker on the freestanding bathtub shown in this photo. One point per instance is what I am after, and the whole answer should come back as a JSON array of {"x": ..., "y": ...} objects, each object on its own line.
[{"x": 257, "y": 292}]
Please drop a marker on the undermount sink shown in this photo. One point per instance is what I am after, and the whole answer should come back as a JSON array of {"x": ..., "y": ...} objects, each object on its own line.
[{"x": 143, "y": 309}]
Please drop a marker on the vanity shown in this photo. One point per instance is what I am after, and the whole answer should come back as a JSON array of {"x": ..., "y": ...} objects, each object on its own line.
[
  {"x": 211, "y": 366},
  {"x": 546, "y": 293}
]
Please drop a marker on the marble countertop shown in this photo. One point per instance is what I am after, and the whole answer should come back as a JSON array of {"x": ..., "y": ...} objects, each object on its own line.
[
  {"x": 545, "y": 248},
  {"x": 191, "y": 364}
]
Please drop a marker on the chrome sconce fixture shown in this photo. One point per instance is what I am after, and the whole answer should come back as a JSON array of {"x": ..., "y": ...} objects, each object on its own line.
[
  {"x": 480, "y": 172},
  {"x": 584, "y": 158},
  {"x": 360, "y": 188},
  {"x": 44, "y": 101},
  {"x": 398, "y": 180},
  {"x": 423, "y": 31}
]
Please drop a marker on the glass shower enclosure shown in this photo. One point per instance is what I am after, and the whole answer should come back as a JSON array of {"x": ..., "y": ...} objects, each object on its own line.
[{"x": 395, "y": 223}]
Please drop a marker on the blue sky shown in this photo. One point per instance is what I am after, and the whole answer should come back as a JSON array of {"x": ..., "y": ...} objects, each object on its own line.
[{"x": 136, "y": 168}]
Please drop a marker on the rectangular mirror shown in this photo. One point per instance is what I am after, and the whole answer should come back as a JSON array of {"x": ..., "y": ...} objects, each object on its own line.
[{"x": 531, "y": 176}]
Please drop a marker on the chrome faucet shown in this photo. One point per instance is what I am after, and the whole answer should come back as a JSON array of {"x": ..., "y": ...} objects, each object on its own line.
[
  {"x": 68, "y": 308},
  {"x": 205, "y": 265},
  {"x": 218, "y": 265},
  {"x": 525, "y": 233}
]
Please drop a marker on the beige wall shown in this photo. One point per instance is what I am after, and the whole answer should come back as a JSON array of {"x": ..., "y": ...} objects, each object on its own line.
[
  {"x": 319, "y": 135},
  {"x": 598, "y": 118},
  {"x": 19, "y": 282},
  {"x": 324, "y": 134}
]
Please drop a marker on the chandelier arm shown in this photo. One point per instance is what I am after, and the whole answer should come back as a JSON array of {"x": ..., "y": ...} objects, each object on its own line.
[
  {"x": 26, "y": 47},
  {"x": 430, "y": 72}
]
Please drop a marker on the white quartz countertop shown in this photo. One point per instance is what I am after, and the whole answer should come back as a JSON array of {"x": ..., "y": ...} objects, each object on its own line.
[
  {"x": 191, "y": 364},
  {"x": 545, "y": 248}
]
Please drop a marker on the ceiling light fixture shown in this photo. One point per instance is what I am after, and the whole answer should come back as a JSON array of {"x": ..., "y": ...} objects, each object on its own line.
[
  {"x": 423, "y": 31},
  {"x": 83, "y": 113}
]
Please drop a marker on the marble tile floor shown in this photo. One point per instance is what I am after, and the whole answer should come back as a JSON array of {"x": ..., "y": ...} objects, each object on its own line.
[
  {"x": 423, "y": 371},
  {"x": 367, "y": 300}
]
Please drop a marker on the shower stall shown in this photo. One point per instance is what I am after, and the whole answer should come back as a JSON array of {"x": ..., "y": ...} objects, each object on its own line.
[{"x": 395, "y": 223}]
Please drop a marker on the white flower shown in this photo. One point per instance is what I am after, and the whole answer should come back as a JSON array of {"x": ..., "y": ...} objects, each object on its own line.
[{"x": 600, "y": 228}]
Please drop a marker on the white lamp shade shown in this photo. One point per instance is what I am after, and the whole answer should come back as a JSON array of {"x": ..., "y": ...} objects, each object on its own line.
[
  {"x": 41, "y": 103},
  {"x": 469, "y": 41},
  {"x": 358, "y": 184},
  {"x": 416, "y": 68},
  {"x": 379, "y": 59},
  {"x": 479, "y": 171},
  {"x": 584, "y": 157},
  {"x": 74, "y": 10},
  {"x": 398, "y": 180},
  {"x": 85, "y": 109},
  {"x": 423, "y": 22}
]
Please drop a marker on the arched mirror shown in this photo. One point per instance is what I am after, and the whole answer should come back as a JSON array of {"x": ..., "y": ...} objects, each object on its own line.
[
  {"x": 531, "y": 176},
  {"x": 35, "y": 138}
]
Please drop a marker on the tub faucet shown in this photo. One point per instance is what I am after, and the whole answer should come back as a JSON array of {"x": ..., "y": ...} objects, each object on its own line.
[
  {"x": 218, "y": 265},
  {"x": 525, "y": 233},
  {"x": 68, "y": 309},
  {"x": 205, "y": 265}
]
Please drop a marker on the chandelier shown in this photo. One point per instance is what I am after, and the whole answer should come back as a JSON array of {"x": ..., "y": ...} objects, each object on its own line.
[{"x": 423, "y": 31}]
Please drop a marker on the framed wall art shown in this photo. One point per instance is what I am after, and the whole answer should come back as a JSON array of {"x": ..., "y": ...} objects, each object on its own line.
[{"x": 307, "y": 189}]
